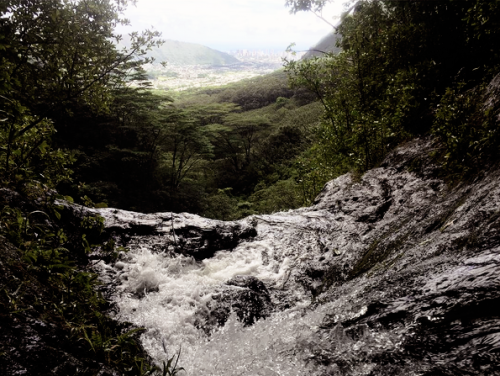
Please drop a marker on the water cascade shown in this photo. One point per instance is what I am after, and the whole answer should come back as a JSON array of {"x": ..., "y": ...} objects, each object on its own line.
[{"x": 170, "y": 294}]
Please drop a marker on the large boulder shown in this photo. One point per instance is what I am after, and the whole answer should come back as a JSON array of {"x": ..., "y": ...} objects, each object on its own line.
[{"x": 184, "y": 233}]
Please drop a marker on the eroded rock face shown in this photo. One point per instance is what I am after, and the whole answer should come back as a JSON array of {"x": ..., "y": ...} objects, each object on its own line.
[
  {"x": 416, "y": 279},
  {"x": 403, "y": 270},
  {"x": 183, "y": 233}
]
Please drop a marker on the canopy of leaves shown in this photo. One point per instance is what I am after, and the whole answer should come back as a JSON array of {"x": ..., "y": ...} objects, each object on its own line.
[
  {"x": 397, "y": 59},
  {"x": 58, "y": 58}
]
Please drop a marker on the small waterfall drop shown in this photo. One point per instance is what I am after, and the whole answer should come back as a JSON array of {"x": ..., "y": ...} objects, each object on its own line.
[{"x": 165, "y": 293}]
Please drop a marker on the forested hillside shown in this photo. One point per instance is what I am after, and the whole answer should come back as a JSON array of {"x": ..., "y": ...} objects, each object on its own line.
[
  {"x": 257, "y": 145},
  {"x": 204, "y": 152},
  {"x": 405, "y": 69},
  {"x": 260, "y": 146}
]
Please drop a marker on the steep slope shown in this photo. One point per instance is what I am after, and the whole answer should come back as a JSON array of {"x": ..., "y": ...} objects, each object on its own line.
[{"x": 183, "y": 53}]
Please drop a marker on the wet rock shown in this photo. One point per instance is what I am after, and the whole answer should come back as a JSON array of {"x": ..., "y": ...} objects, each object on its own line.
[
  {"x": 421, "y": 279},
  {"x": 203, "y": 243},
  {"x": 492, "y": 98},
  {"x": 244, "y": 295},
  {"x": 184, "y": 233}
]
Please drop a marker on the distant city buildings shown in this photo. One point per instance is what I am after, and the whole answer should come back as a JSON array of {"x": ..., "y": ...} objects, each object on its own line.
[
  {"x": 266, "y": 55},
  {"x": 253, "y": 63}
]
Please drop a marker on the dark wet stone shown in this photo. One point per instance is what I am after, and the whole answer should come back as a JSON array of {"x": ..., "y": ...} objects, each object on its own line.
[
  {"x": 244, "y": 295},
  {"x": 203, "y": 243},
  {"x": 405, "y": 270},
  {"x": 184, "y": 233}
]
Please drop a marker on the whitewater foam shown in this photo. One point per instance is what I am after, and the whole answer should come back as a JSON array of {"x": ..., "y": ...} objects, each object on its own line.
[{"x": 164, "y": 293}]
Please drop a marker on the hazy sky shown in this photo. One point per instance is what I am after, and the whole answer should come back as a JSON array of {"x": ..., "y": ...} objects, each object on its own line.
[{"x": 232, "y": 24}]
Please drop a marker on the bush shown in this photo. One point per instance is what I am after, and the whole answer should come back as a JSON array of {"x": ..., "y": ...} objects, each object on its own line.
[
  {"x": 396, "y": 58},
  {"x": 221, "y": 205},
  {"x": 467, "y": 127},
  {"x": 26, "y": 158}
]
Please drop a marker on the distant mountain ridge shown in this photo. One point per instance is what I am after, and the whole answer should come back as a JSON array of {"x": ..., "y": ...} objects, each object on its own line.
[{"x": 183, "y": 53}]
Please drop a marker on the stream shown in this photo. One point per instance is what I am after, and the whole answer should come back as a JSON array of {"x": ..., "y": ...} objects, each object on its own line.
[{"x": 170, "y": 294}]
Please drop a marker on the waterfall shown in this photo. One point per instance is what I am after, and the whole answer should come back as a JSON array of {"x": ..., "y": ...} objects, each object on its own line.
[{"x": 169, "y": 294}]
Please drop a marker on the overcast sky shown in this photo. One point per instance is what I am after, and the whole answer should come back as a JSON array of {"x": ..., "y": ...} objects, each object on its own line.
[{"x": 232, "y": 24}]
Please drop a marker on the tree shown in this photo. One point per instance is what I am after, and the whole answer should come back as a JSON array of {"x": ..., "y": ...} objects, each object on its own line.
[
  {"x": 307, "y": 5},
  {"x": 357, "y": 129},
  {"x": 185, "y": 146},
  {"x": 63, "y": 51},
  {"x": 57, "y": 57},
  {"x": 397, "y": 59},
  {"x": 316, "y": 7}
]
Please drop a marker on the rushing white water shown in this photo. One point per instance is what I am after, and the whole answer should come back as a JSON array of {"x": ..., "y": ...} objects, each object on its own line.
[
  {"x": 163, "y": 294},
  {"x": 171, "y": 295},
  {"x": 168, "y": 294}
]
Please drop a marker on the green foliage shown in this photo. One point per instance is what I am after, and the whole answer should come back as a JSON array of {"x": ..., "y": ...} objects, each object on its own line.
[
  {"x": 170, "y": 368},
  {"x": 257, "y": 92},
  {"x": 358, "y": 127},
  {"x": 249, "y": 146},
  {"x": 185, "y": 146},
  {"x": 283, "y": 195},
  {"x": 204, "y": 111},
  {"x": 238, "y": 137},
  {"x": 266, "y": 141},
  {"x": 57, "y": 53},
  {"x": 56, "y": 289},
  {"x": 468, "y": 128},
  {"x": 306, "y": 5},
  {"x": 149, "y": 154},
  {"x": 58, "y": 68},
  {"x": 396, "y": 60},
  {"x": 281, "y": 101},
  {"x": 314, "y": 170},
  {"x": 27, "y": 159},
  {"x": 222, "y": 205}
]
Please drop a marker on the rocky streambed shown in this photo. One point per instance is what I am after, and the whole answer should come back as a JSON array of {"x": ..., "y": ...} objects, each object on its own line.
[{"x": 392, "y": 273}]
